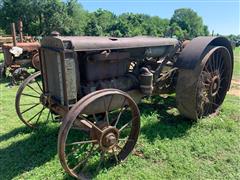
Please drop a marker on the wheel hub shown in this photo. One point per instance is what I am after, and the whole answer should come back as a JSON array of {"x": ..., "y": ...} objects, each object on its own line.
[
  {"x": 44, "y": 100},
  {"x": 215, "y": 85},
  {"x": 109, "y": 138}
]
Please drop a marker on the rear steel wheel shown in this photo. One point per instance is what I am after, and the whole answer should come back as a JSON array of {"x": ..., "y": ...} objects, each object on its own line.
[
  {"x": 201, "y": 91},
  {"x": 28, "y": 103},
  {"x": 100, "y": 129}
]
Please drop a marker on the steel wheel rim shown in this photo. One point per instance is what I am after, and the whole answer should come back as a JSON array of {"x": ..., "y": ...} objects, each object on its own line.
[
  {"x": 126, "y": 149},
  {"x": 36, "y": 61},
  {"x": 28, "y": 100},
  {"x": 213, "y": 81}
]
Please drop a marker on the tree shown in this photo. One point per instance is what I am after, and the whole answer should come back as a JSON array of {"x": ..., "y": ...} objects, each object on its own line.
[
  {"x": 78, "y": 17},
  {"x": 92, "y": 28},
  {"x": 38, "y": 16},
  {"x": 105, "y": 19},
  {"x": 188, "y": 20},
  {"x": 175, "y": 30}
]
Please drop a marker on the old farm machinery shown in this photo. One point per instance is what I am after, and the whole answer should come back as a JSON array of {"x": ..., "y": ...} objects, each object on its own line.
[
  {"x": 19, "y": 55},
  {"x": 93, "y": 85}
]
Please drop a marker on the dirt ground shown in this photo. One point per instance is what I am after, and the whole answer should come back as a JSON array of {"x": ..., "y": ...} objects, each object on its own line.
[{"x": 235, "y": 87}]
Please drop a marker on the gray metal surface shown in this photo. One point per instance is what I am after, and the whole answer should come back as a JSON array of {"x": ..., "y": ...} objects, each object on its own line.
[{"x": 89, "y": 43}]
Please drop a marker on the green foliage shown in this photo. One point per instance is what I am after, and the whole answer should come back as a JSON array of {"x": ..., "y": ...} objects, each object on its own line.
[
  {"x": 2, "y": 32},
  {"x": 40, "y": 17},
  {"x": 78, "y": 18},
  {"x": 190, "y": 22}
]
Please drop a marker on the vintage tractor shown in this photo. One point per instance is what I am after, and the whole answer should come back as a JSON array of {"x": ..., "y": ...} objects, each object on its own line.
[
  {"x": 93, "y": 85},
  {"x": 19, "y": 55}
]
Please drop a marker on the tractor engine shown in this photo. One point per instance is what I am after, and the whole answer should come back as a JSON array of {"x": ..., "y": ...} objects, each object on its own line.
[
  {"x": 107, "y": 70},
  {"x": 76, "y": 66}
]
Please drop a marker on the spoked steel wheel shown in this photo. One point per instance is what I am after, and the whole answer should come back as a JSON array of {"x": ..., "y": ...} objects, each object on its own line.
[
  {"x": 100, "y": 129},
  {"x": 28, "y": 102},
  {"x": 201, "y": 91}
]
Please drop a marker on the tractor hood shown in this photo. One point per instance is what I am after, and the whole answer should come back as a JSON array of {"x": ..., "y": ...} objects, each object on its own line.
[{"x": 91, "y": 43}]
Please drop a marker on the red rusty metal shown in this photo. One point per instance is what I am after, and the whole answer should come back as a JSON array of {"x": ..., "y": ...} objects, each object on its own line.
[
  {"x": 20, "y": 29},
  {"x": 13, "y": 29},
  {"x": 26, "y": 46}
]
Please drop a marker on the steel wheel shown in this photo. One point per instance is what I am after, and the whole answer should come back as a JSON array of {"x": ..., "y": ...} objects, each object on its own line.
[
  {"x": 28, "y": 106},
  {"x": 201, "y": 91},
  {"x": 100, "y": 129},
  {"x": 36, "y": 61}
]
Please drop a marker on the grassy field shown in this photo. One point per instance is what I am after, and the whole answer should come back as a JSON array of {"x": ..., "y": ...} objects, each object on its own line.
[
  {"x": 171, "y": 147},
  {"x": 236, "y": 71}
]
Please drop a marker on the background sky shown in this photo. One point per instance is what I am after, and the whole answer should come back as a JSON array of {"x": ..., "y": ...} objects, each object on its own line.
[{"x": 221, "y": 16}]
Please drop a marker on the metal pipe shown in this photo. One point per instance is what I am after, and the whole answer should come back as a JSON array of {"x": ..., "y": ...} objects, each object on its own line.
[
  {"x": 20, "y": 29},
  {"x": 13, "y": 29}
]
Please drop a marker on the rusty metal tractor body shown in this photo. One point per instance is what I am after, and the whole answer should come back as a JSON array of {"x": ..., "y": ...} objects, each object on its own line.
[
  {"x": 90, "y": 82},
  {"x": 27, "y": 58}
]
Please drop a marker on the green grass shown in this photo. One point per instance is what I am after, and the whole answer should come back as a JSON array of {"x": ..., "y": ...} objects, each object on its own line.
[
  {"x": 1, "y": 57},
  {"x": 171, "y": 147},
  {"x": 236, "y": 71}
]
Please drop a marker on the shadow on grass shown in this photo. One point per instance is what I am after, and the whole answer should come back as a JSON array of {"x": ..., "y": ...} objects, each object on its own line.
[
  {"x": 41, "y": 146},
  {"x": 15, "y": 132},
  {"x": 169, "y": 125},
  {"x": 29, "y": 153}
]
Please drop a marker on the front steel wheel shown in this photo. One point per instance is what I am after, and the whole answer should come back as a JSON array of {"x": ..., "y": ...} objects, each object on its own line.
[
  {"x": 28, "y": 103},
  {"x": 100, "y": 129},
  {"x": 201, "y": 91}
]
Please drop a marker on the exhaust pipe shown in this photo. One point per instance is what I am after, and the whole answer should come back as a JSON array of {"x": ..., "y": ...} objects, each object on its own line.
[
  {"x": 20, "y": 29},
  {"x": 13, "y": 29}
]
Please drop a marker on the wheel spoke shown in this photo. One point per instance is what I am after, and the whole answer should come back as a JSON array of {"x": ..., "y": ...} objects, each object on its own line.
[
  {"x": 89, "y": 123},
  {"x": 210, "y": 66},
  {"x": 39, "y": 86},
  {"x": 125, "y": 139},
  {"x": 85, "y": 159},
  {"x": 82, "y": 142},
  {"x": 48, "y": 115},
  {"x": 125, "y": 125},
  {"x": 102, "y": 158},
  {"x": 30, "y": 108},
  {"x": 120, "y": 113},
  {"x": 106, "y": 112},
  {"x": 40, "y": 114},
  {"x": 52, "y": 117},
  {"x": 119, "y": 116},
  {"x": 30, "y": 95},
  {"x": 28, "y": 104},
  {"x": 221, "y": 65},
  {"x": 218, "y": 60},
  {"x": 34, "y": 116},
  {"x": 215, "y": 61},
  {"x": 33, "y": 89}
]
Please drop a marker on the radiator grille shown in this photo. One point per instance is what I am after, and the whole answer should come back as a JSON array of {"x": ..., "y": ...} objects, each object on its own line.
[{"x": 55, "y": 80}]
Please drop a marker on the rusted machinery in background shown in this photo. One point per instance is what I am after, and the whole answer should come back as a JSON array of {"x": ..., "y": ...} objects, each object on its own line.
[
  {"x": 4, "y": 40},
  {"x": 93, "y": 84},
  {"x": 20, "y": 54}
]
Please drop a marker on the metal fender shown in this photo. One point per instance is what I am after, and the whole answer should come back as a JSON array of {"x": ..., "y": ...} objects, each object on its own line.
[{"x": 195, "y": 50}]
